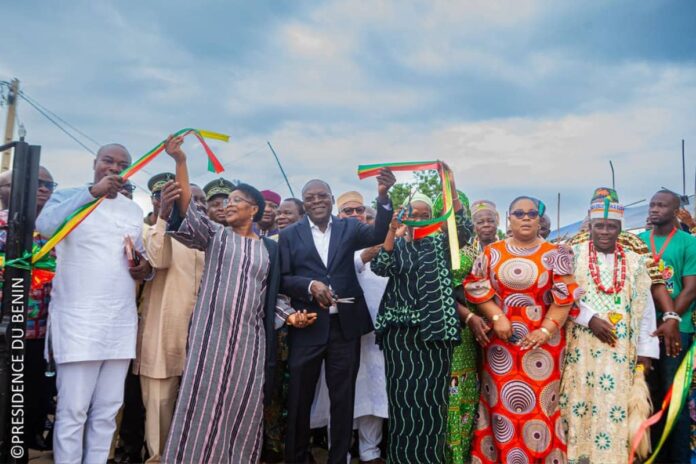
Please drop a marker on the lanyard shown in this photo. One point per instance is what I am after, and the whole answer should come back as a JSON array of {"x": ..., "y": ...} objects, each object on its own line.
[{"x": 657, "y": 257}]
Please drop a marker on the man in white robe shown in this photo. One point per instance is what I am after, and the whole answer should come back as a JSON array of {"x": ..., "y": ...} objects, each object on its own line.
[{"x": 92, "y": 314}]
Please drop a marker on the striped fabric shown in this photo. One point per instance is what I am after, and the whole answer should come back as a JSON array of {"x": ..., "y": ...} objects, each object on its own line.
[
  {"x": 418, "y": 374},
  {"x": 218, "y": 416}
]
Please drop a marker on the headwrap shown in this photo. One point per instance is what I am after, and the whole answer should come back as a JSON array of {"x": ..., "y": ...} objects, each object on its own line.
[
  {"x": 484, "y": 205},
  {"x": 606, "y": 210},
  {"x": 604, "y": 192},
  {"x": 348, "y": 197},
  {"x": 256, "y": 196},
  {"x": 218, "y": 187},
  {"x": 157, "y": 181},
  {"x": 419, "y": 197},
  {"x": 270, "y": 195}
]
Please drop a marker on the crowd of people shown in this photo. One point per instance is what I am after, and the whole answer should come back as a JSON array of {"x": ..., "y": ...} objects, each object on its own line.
[{"x": 229, "y": 325}]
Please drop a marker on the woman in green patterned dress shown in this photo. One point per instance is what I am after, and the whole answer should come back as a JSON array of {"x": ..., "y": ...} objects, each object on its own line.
[
  {"x": 417, "y": 327},
  {"x": 463, "y": 387}
]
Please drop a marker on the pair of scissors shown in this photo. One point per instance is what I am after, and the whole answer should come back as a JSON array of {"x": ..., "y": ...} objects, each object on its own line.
[{"x": 345, "y": 300}]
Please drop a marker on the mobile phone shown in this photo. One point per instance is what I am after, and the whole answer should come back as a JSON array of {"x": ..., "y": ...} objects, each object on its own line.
[{"x": 131, "y": 253}]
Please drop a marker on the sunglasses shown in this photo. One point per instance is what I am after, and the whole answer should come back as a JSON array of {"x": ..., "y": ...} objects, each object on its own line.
[
  {"x": 357, "y": 210},
  {"x": 519, "y": 214},
  {"x": 47, "y": 184},
  {"x": 130, "y": 188}
]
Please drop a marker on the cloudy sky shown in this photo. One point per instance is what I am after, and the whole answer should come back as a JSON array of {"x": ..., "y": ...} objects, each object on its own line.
[{"x": 519, "y": 96}]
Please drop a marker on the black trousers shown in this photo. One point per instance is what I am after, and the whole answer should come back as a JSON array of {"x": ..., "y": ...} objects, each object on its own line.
[
  {"x": 39, "y": 389},
  {"x": 342, "y": 360}
]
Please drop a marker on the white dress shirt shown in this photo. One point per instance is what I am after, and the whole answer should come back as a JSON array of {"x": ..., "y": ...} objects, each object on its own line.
[{"x": 321, "y": 243}]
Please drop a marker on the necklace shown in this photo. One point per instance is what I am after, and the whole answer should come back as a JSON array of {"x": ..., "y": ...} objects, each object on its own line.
[
  {"x": 619, "y": 278},
  {"x": 658, "y": 256}
]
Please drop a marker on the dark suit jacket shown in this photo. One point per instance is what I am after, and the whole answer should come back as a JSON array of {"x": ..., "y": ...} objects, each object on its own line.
[{"x": 300, "y": 264}]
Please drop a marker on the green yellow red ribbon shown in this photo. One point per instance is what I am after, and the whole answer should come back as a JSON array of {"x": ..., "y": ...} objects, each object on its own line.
[
  {"x": 673, "y": 403},
  {"x": 81, "y": 213},
  {"x": 427, "y": 227}
]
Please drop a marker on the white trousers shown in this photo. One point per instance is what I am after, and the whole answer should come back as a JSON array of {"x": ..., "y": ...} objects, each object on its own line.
[
  {"x": 90, "y": 394},
  {"x": 369, "y": 436}
]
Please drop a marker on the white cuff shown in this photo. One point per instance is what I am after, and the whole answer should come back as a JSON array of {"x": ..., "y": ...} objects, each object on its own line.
[{"x": 586, "y": 314}]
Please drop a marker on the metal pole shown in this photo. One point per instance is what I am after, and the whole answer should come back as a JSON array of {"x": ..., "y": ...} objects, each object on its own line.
[
  {"x": 281, "y": 168},
  {"x": 17, "y": 280},
  {"x": 683, "y": 170},
  {"x": 613, "y": 184},
  {"x": 10, "y": 123},
  {"x": 558, "y": 220}
]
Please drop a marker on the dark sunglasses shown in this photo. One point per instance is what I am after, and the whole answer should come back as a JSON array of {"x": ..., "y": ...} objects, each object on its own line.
[
  {"x": 357, "y": 209},
  {"x": 129, "y": 187},
  {"x": 519, "y": 214},
  {"x": 47, "y": 184}
]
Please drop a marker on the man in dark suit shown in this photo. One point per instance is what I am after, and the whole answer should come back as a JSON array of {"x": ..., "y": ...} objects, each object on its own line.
[{"x": 317, "y": 268}]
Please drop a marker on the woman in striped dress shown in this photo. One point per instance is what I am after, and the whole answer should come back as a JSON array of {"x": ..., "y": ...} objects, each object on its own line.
[
  {"x": 418, "y": 327},
  {"x": 219, "y": 412}
]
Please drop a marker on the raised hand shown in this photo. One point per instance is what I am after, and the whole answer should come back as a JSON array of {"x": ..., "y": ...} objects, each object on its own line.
[
  {"x": 173, "y": 148},
  {"x": 385, "y": 181},
  {"x": 108, "y": 186},
  {"x": 171, "y": 192}
]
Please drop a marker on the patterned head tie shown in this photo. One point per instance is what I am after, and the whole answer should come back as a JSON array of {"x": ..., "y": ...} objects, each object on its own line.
[
  {"x": 604, "y": 192},
  {"x": 484, "y": 205},
  {"x": 606, "y": 210},
  {"x": 420, "y": 197}
]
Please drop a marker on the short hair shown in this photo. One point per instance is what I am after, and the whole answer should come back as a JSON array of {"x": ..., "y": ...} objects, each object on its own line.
[
  {"x": 112, "y": 145},
  {"x": 316, "y": 181},
  {"x": 675, "y": 196},
  {"x": 298, "y": 203}
]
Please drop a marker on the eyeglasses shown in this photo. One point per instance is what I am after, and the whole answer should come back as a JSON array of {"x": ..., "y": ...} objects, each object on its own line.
[
  {"x": 357, "y": 210},
  {"x": 131, "y": 188},
  {"x": 156, "y": 195},
  {"x": 519, "y": 214},
  {"x": 236, "y": 200},
  {"x": 47, "y": 184}
]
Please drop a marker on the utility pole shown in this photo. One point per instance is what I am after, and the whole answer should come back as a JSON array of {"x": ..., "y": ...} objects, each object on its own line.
[{"x": 10, "y": 123}]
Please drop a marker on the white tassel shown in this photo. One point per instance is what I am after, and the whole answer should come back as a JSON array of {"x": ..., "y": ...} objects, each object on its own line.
[{"x": 639, "y": 409}]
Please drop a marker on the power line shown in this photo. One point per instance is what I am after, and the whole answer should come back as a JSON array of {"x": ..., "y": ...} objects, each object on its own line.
[
  {"x": 55, "y": 123},
  {"x": 27, "y": 98}
]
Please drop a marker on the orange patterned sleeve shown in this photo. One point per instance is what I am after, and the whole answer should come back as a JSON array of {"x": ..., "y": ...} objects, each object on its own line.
[
  {"x": 477, "y": 285},
  {"x": 565, "y": 290}
]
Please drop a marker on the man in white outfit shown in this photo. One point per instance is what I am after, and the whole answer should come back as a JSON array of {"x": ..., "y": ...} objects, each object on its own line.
[{"x": 92, "y": 314}]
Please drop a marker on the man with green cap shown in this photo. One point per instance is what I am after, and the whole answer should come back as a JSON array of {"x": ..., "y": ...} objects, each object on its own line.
[
  {"x": 166, "y": 308},
  {"x": 216, "y": 193}
]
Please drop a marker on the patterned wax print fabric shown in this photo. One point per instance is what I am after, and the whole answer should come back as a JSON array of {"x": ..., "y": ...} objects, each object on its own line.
[
  {"x": 597, "y": 377},
  {"x": 39, "y": 295},
  {"x": 463, "y": 387},
  {"x": 417, "y": 327},
  {"x": 519, "y": 419}
]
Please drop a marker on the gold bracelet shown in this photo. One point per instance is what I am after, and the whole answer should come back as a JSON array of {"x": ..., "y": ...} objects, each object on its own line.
[{"x": 546, "y": 331}]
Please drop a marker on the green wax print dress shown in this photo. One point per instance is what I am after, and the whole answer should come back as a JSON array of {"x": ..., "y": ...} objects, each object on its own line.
[
  {"x": 417, "y": 327},
  {"x": 463, "y": 387}
]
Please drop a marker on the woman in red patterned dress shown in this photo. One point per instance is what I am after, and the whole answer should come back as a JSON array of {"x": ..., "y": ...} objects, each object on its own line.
[{"x": 525, "y": 287}]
